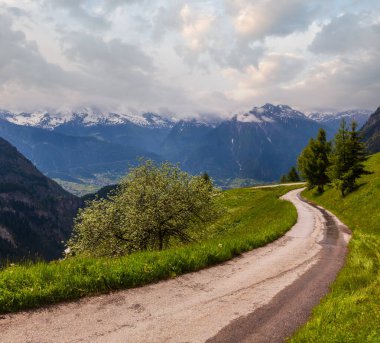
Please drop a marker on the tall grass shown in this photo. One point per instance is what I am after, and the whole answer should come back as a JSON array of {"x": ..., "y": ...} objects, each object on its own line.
[
  {"x": 351, "y": 311},
  {"x": 252, "y": 219}
]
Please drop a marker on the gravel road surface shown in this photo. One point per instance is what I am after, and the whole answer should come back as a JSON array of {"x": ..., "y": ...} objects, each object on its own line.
[{"x": 261, "y": 296}]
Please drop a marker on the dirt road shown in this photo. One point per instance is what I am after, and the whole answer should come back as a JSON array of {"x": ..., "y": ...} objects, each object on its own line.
[{"x": 261, "y": 296}]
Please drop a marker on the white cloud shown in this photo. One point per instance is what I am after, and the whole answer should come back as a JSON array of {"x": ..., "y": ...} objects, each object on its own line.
[
  {"x": 341, "y": 83},
  {"x": 255, "y": 20},
  {"x": 275, "y": 70},
  {"x": 195, "y": 28}
]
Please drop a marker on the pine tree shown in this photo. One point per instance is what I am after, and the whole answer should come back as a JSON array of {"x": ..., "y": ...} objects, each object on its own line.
[
  {"x": 313, "y": 161},
  {"x": 292, "y": 176},
  {"x": 208, "y": 180},
  {"x": 347, "y": 158},
  {"x": 339, "y": 158}
]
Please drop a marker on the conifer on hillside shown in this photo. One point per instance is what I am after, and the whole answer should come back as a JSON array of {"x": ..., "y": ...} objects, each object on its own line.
[
  {"x": 347, "y": 157},
  {"x": 314, "y": 161}
]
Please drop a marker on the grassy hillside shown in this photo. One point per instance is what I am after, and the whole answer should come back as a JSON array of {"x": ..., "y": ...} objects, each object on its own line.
[
  {"x": 351, "y": 312},
  {"x": 252, "y": 219}
]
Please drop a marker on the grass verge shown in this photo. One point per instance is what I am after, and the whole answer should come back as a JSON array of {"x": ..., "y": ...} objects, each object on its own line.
[
  {"x": 351, "y": 311},
  {"x": 253, "y": 218}
]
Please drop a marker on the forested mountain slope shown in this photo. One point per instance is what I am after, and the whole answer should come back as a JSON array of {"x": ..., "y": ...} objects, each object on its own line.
[
  {"x": 371, "y": 132},
  {"x": 35, "y": 212}
]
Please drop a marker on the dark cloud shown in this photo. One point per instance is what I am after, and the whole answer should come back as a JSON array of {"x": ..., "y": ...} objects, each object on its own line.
[
  {"x": 107, "y": 73},
  {"x": 342, "y": 83},
  {"x": 113, "y": 56},
  {"x": 348, "y": 33},
  {"x": 21, "y": 61},
  {"x": 17, "y": 12},
  {"x": 115, "y": 68},
  {"x": 79, "y": 11}
]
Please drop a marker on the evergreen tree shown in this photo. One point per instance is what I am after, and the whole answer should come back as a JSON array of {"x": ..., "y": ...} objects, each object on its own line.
[
  {"x": 339, "y": 157},
  {"x": 292, "y": 176},
  {"x": 313, "y": 161},
  {"x": 347, "y": 158},
  {"x": 208, "y": 180},
  {"x": 357, "y": 155}
]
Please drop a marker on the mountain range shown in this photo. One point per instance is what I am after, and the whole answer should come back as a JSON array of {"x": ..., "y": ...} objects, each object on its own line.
[
  {"x": 88, "y": 146},
  {"x": 36, "y": 214},
  {"x": 92, "y": 116},
  {"x": 333, "y": 119}
]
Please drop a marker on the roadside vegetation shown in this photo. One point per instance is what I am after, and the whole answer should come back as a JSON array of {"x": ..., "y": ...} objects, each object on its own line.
[
  {"x": 251, "y": 218},
  {"x": 351, "y": 311}
]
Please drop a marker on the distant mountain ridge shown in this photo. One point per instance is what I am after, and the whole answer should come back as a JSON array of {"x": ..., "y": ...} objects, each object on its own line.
[
  {"x": 67, "y": 156},
  {"x": 333, "y": 119},
  {"x": 255, "y": 145},
  {"x": 92, "y": 116},
  {"x": 36, "y": 214},
  {"x": 86, "y": 116},
  {"x": 93, "y": 147}
]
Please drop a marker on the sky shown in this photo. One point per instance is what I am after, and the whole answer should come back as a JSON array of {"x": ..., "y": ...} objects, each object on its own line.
[{"x": 189, "y": 58}]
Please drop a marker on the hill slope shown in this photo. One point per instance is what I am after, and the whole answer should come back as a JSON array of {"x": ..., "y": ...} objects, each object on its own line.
[
  {"x": 350, "y": 313},
  {"x": 371, "y": 132},
  {"x": 35, "y": 212}
]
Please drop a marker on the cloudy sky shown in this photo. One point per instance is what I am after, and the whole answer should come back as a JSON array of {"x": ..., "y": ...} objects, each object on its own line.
[{"x": 202, "y": 57}]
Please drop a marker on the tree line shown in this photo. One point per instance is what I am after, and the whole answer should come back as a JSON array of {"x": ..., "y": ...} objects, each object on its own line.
[{"x": 338, "y": 162}]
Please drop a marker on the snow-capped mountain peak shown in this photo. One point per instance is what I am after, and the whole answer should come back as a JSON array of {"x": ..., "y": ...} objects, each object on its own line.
[
  {"x": 333, "y": 119},
  {"x": 268, "y": 114},
  {"x": 86, "y": 116},
  {"x": 325, "y": 116}
]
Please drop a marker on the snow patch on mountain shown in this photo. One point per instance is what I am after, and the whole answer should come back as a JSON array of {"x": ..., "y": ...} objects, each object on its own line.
[
  {"x": 359, "y": 114},
  {"x": 86, "y": 116},
  {"x": 268, "y": 114},
  {"x": 91, "y": 116}
]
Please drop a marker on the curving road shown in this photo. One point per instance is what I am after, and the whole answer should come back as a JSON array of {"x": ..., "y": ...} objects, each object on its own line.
[{"x": 262, "y": 296}]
